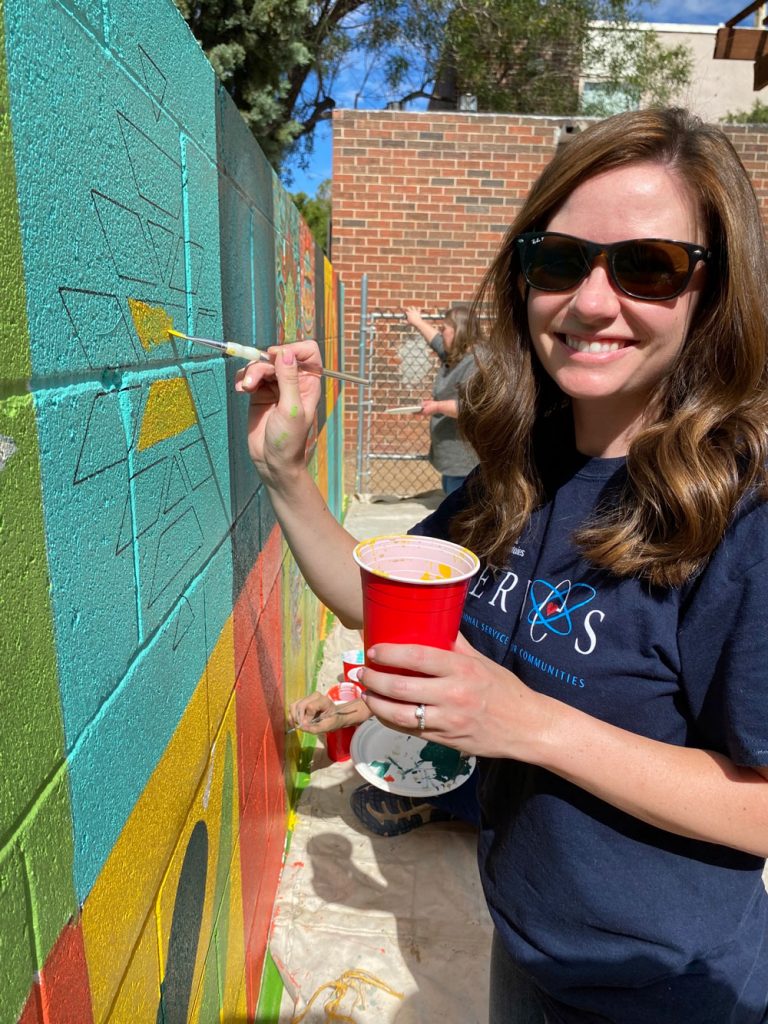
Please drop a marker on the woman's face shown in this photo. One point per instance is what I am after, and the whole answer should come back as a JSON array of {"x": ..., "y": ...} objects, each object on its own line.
[
  {"x": 606, "y": 350},
  {"x": 448, "y": 332}
]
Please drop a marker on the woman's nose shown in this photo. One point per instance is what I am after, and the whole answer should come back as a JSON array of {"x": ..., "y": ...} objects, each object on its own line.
[{"x": 596, "y": 297}]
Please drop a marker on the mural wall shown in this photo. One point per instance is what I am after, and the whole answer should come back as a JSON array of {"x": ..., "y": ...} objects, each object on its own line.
[{"x": 152, "y": 625}]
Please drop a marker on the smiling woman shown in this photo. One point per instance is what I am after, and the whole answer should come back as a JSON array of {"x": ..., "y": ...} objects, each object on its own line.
[{"x": 610, "y": 675}]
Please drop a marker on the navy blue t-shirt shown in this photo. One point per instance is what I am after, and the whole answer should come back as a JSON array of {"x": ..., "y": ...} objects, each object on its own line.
[{"x": 614, "y": 919}]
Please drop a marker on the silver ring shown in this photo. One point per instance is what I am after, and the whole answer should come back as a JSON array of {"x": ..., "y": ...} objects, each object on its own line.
[{"x": 419, "y": 712}]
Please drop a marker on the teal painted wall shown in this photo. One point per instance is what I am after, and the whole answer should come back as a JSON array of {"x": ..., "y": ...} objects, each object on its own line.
[{"x": 144, "y": 587}]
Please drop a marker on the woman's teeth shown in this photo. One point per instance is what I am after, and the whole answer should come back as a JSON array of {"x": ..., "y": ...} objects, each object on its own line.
[{"x": 591, "y": 346}]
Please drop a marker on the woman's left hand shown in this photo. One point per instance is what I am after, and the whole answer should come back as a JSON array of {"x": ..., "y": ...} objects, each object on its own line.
[{"x": 470, "y": 703}]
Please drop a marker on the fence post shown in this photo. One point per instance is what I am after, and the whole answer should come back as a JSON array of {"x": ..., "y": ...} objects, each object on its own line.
[{"x": 361, "y": 372}]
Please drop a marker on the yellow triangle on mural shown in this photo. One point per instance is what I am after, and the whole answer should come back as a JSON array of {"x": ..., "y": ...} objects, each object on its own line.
[{"x": 170, "y": 409}]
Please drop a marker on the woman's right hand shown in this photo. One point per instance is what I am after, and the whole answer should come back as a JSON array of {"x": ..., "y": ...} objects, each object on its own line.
[
  {"x": 302, "y": 713},
  {"x": 283, "y": 400}
]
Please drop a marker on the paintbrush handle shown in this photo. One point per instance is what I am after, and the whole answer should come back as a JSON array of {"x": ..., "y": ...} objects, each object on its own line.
[
  {"x": 249, "y": 352},
  {"x": 234, "y": 348}
]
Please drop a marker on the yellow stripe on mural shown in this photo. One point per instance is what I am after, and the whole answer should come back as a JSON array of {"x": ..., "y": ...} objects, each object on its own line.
[{"x": 170, "y": 409}]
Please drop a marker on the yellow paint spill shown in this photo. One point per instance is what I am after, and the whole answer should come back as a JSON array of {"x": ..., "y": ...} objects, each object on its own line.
[
  {"x": 170, "y": 410},
  {"x": 350, "y": 981},
  {"x": 152, "y": 323}
]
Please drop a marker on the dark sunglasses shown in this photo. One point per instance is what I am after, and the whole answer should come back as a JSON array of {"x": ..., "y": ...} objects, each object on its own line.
[{"x": 653, "y": 269}]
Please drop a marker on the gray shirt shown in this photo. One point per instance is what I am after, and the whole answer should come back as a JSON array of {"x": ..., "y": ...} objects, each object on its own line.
[{"x": 448, "y": 453}]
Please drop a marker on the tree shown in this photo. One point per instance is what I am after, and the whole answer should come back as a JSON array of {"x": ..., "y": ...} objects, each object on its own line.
[
  {"x": 284, "y": 62},
  {"x": 757, "y": 115},
  {"x": 316, "y": 212},
  {"x": 527, "y": 56},
  {"x": 280, "y": 60}
]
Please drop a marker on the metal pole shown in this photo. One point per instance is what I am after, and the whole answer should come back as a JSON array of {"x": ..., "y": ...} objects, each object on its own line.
[{"x": 361, "y": 371}]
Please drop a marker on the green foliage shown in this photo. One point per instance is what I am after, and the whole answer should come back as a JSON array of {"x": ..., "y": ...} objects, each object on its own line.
[
  {"x": 526, "y": 56},
  {"x": 633, "y": 70},
  {"x": 282, "y": 60},
  {"x": 316, "y": 212},
  {"x": 757, "y": 115}
]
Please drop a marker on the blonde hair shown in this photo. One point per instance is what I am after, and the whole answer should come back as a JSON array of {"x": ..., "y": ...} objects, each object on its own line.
[
  {"x": 465, "y": 333},
  {"x": 706, "y": 448}
]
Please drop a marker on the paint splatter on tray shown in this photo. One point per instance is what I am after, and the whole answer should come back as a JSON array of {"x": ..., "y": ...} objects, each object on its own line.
[{"x": 407, "y": 765}]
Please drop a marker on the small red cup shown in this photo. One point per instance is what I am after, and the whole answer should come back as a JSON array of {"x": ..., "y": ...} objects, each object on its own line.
[
  {"x": 351, "y": 660},
  {"x": 337, "y": 742},
  {"x": 414, "y": 590}
]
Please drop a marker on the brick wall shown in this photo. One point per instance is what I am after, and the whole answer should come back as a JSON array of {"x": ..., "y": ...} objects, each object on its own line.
[{"x": 420, "y": 204}]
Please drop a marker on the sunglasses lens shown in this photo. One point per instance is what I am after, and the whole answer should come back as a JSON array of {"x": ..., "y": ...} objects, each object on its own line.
[
  {"x": 554, "y": 263},
  {"x": 651, "y": 270}
]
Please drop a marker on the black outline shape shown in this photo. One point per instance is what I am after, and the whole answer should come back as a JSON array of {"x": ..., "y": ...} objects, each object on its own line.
[
  {"x": 133, "y": 213},
  {"x": 152, "y": 202},
  {"x": 157, "y": 101},
  {"x": 101, "y": 295}
]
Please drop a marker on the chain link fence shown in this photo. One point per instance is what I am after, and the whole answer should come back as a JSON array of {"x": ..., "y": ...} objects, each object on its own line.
[{"x": 393, "y": 447}]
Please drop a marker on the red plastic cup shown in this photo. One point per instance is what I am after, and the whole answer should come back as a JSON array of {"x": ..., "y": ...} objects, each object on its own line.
[
  {"x": 414, "y": 590},
  {"x": 351, "y": 660},
  {"x": 338, "y": 742}
]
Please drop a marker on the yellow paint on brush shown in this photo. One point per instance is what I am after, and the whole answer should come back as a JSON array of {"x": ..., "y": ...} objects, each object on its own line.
[
  {"x": 170, "y": 410},
  {"x": 152, "y": 323}
]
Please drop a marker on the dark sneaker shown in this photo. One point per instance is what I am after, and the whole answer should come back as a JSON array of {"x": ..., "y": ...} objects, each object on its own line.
[{"x": 387, "y": 814}]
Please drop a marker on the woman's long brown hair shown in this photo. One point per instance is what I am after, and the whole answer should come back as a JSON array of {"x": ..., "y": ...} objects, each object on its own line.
[{"x": 706, "y": 447}]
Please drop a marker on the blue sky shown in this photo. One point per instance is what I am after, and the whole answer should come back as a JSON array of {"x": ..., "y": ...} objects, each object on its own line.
[{"x": 686, "y": 12}]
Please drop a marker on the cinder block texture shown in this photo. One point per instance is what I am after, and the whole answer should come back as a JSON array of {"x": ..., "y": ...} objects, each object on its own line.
[{"x": 142, "y": 586}]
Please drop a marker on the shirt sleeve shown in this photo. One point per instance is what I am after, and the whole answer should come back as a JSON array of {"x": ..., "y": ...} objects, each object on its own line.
[{"x": 723, "y": 644}]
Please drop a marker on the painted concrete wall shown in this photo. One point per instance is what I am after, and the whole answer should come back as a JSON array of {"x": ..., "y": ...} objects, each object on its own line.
[{"x": 152, "y": 625}]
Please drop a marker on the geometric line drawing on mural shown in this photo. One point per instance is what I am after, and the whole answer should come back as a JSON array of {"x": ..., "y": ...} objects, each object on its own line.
[
  {"x": 155, "y": 81},
  {"x": 163, "y": 240},
  {"x": 185, "y": 619},
  {"x": 7, "y": 449},
  {"x": 127, "y": 243},
  {"x": 142, "y": 503},
  {"x": 205, "y": 388},
  {"x": 197, "y": 463},
  {"x": 99, "y": 324},
  {"x": 178, "y": 281},
  {"x": 178, "y": 544},
  {"x": 186, "y": 922},
  {"x": 104, "y": 441},
  {"x": 203, "y": 316},
  {"x": 156, "y": 175},
  {"x": 176, "y": 488}
]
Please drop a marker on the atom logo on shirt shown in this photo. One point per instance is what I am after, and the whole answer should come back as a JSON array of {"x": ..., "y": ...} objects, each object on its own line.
[{"x": 553, "y": 605}]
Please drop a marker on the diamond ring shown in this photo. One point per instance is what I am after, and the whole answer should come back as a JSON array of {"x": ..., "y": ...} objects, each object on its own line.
[{"x": 419, "y": 712}]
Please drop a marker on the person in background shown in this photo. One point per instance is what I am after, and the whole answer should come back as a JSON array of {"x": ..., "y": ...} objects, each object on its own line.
[
  {"x": 611, "y": 674},
  {"x": 449, "y": 454}
]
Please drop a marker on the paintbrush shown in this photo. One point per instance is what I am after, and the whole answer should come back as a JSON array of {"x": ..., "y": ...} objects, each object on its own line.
[
  {"x": 232, "y": 348},
  {"x": 321, "y": 718}
]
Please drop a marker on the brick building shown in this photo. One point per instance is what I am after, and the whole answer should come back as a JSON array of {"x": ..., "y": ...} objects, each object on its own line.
[{"x": 420, "y": 204}]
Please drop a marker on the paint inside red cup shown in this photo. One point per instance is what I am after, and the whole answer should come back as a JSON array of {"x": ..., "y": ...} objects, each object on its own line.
[{"x": 414, "y": 590}]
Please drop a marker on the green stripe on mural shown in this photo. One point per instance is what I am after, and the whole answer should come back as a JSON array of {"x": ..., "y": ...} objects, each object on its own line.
[{"x": 14, "y": 341}]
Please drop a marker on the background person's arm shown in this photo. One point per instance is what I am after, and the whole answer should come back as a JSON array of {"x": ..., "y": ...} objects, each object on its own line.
[{"x": 426, "y": 329}]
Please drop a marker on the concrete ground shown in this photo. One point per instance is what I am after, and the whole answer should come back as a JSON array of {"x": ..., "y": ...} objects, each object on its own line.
[{"x": 369, "y": 929}]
